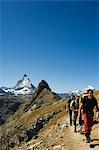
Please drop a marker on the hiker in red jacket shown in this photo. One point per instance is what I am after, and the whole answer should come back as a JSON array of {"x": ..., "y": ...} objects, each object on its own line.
[{"x": 87, "y": 104}]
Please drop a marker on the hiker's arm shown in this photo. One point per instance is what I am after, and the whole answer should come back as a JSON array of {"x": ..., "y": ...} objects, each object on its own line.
[
  {"x": 79, "y": 110},
  {"x": 97, "y": 110},
  {"x": 80, "y": 107},
  {"x": 75, "y": 110}
]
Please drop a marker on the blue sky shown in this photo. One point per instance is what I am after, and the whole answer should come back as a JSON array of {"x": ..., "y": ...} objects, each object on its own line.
[{"x": 55, "y": 41}]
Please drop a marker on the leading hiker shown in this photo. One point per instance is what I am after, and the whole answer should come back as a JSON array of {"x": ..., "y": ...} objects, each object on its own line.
[{"x": 87, "y": 104}]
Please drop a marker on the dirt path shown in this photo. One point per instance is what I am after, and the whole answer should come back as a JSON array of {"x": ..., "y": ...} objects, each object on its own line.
[
  {"x": 60, "y": 136},
  {"x": 78, "y": 140}
]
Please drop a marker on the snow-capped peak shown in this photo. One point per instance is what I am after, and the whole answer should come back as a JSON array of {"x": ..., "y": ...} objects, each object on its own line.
[
  {"x": 23, "y": 87},
  {"x": 24, "y": 82}
]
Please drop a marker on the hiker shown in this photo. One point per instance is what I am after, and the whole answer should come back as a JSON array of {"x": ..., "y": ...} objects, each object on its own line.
[
  {"x": 87, "y": 104},
  {"x": 75, "y": 107},
  {"x": 70, "y": 111}
]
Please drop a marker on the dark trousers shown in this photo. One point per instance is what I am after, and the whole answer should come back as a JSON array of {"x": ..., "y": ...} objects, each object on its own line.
[
  {"x": 75, "y": 114},
  {"x": 70, "y": 116}
]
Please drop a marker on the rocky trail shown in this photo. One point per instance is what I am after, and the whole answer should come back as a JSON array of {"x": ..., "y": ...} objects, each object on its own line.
[{"x": 61, "y": 136}]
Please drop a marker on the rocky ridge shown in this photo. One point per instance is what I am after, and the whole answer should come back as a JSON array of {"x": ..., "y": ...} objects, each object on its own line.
[{"x": 28, "y": 120}]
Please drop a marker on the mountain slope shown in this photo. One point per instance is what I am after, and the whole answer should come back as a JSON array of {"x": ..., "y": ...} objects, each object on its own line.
[
  {"x": 8, "y": 106},
  {"x": 28, "y": 120},
  {"x": 59, "y": 135}
]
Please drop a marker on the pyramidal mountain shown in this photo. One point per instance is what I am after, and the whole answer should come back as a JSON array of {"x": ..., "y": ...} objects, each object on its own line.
[{"x": 23, "y": 87}]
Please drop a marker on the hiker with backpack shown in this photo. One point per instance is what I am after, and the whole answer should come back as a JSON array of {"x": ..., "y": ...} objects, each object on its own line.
[
  {"x": 69, "y": 109},
  {"x": 74, "y": 105},
  {"x": 87, "y": 104}
]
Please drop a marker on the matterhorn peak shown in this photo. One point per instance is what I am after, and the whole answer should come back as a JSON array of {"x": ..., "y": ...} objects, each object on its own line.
[
  {"x": 24, "y": 82},
  {"x": 25, "y": 75},
  {"x": 23, "y": 87}
]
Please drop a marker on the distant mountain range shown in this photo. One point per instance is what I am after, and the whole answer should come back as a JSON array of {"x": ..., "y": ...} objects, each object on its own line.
[
  {"x": 25, "y": 87},
  {"x": 75, "y": 92}
]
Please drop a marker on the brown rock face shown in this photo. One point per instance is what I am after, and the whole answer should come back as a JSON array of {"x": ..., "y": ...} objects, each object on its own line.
[
  {"x": 43, "y": 84},
  {"x": 42, "y": 95}
]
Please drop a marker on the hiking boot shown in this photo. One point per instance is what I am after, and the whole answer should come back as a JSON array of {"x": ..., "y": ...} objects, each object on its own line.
[
  {"x": 87, "y": 139},
  {"x": 75, "y": 129},
  {"x": 81, "y": 132}
]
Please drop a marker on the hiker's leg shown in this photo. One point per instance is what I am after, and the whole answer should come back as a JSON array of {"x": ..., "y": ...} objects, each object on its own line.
[
  {"x": 90, "y": 122},
  {"x": 81, "y": 125},
  {"x": 70, "y": 113},
  {"x": 81, "y": 132},
  {"x": 74, "y": 121},
  {"x": 75, "y": 125},
  {"x": 87, "y": 127}
]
